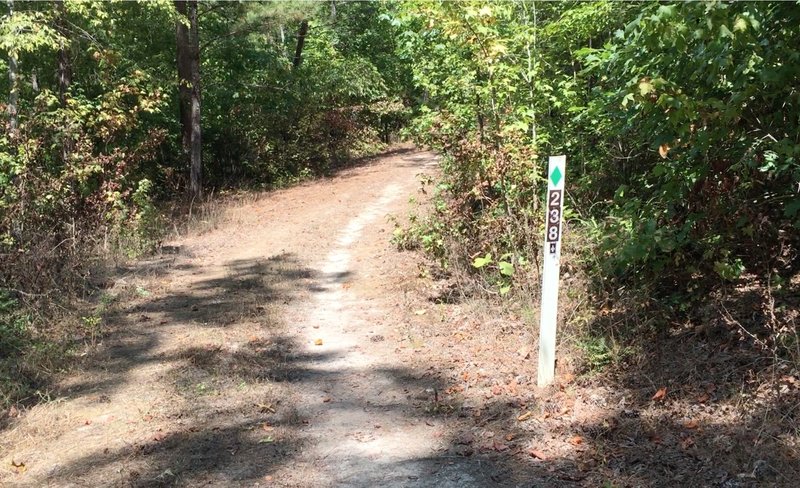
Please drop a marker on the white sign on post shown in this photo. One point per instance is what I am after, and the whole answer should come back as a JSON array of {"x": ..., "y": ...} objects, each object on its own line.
[{"x": 556, "y": 173}]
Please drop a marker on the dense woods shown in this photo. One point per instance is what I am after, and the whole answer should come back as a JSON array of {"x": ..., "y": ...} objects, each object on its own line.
[{"x": 679, "y": 121}]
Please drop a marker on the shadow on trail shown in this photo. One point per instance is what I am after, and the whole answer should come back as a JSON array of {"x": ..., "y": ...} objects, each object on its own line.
[
  {"x": 229, "y": 418},
  {"x": 730, "y": 415},
  {"x": 724, "y": 419},
  {"x": 250, "y": 439}
]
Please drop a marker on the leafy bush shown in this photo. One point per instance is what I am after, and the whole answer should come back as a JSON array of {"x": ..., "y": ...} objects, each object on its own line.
[{"x": 678, "y": 170}]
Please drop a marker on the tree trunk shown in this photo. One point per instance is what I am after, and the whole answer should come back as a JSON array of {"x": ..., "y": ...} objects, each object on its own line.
[
  {"x": 64, "y": 72},
  {"x": 196, "y": 177},
  {"x": 13, "y": 83},
  {"x": 188, "y": 61},
  {"x": 64, "y": 75},
  {"x": 479, "y": 111},
  {"x": 301, "y": 41},
  {"x": 184, "y": 75}
]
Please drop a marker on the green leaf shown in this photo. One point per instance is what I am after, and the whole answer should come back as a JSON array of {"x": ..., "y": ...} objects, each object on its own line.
[
  {"x": 481, "y": 262},
  {"x": 792, "y": 208},
  {"x": 506, "y": 268}
]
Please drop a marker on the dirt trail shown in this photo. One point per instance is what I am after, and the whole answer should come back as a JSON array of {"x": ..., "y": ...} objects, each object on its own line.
[{"x": 214, "y": 374}]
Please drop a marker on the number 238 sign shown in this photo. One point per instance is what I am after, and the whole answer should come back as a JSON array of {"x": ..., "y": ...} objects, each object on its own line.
[
  {"x": 553, "y": 232},
  {"x": 556, "y": 173}
]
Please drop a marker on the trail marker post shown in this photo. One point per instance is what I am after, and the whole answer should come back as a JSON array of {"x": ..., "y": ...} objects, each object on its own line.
[{"x": 556, "y": 173}]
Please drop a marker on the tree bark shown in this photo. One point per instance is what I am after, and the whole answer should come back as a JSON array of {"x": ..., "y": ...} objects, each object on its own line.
[
  {"x": 64, "y": 75},
  {"x": 184, "y": 75},
  {"x": 301, "y": 41},
  {"x": 188, "y": 63},
  {"x": 196, "y": 177},
  {"x": 13, "y": 83},
  {"x": 64, "y": 72}
]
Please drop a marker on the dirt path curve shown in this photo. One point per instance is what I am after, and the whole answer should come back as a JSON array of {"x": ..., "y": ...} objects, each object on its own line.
[{"x": 262, "y": 353}]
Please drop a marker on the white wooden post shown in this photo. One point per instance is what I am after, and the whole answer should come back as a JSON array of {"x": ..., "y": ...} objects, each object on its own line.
[{"x": 556, "y": 174}]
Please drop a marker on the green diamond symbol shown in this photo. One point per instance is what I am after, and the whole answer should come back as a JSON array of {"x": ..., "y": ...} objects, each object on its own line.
[{"x": 555, "y": 176}]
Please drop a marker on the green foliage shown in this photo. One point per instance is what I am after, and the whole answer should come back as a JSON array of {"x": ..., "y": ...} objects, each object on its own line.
[
  {"x": 680, "y": 123},
  {"x": 719, "y": 197},
  {"x": 13, "y": 326},
  {"x": 17, "y": 380},
  {"x": 98, "y": 146},
  {"x": 503, "y": 269},
  {"x": 599, "y": 352},
  {"x": 268, "y": 122}
]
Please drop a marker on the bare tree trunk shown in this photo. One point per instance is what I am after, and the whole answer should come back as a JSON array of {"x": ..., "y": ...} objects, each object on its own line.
[
  {"x": 479, "y": 110},
  {"x": 64, "y": 75},
  {"x": 301, "y": 41},
  {"x": 196, "y": 173},
  {"x": 13, "y": 75},
  {"x": 64, "y": 72},
  {"x": 184, "y": 75},
  {"x": 188, "y": 62}
]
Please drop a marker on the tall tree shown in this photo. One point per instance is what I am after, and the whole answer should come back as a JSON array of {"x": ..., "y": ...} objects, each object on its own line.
[
  {"x": 301, "y": 41},
  {"x": 13, "y": 75},
  {"x": 63, "y": 71},
  {"x": 188, "y": 61}
]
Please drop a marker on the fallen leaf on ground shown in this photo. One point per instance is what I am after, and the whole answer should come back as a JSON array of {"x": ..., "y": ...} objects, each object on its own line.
[
  {"x": 525, "y": 416},
  {"x": 499, "y": 446},
  {"x": 691, "y": 424},
  {"x": 660, "y": 394},
  {"x": 266, "y": 407},
  {"x": 19, "y": 466},
  {"x": 537, "y": 454},
  {"x": 512, "y": 387},
  {"x": 318, "y": 342}
]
